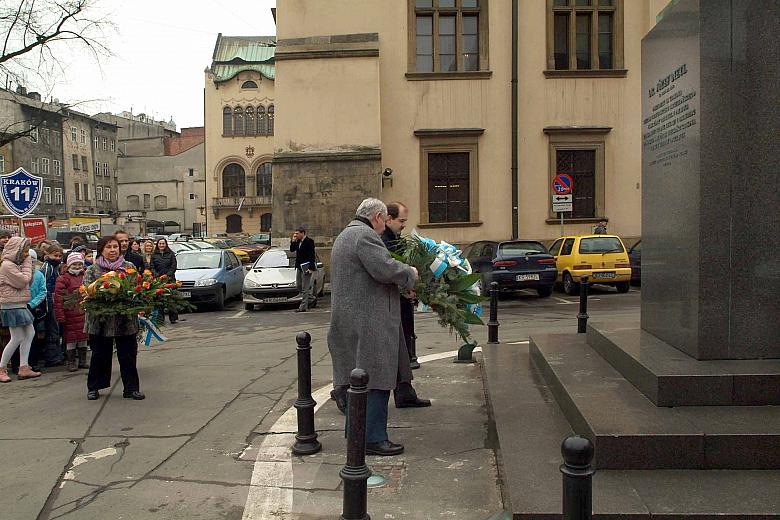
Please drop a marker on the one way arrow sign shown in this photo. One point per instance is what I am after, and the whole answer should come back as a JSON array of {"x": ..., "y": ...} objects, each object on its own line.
[{"x": 562, "y": 198}]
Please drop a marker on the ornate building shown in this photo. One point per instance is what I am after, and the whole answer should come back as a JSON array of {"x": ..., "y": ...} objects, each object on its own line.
[{"x": 239, "y": 118}]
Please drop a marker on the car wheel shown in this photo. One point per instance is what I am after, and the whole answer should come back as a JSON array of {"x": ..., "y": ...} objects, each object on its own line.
[
  {"x": 544, "y": 292},
  {"x": 220, "y": 303},
  {"x": 570, "y": 287},
  {"x": 623, "y": 287},
  {"x": 249, "y": 306}
]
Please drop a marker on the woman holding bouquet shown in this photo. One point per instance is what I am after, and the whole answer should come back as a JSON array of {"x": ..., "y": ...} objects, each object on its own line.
[{"x": 105, "y": 331}]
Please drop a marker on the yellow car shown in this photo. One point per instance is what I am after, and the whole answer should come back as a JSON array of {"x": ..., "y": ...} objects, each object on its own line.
[
  {"x": 602, "y": 258},
  {"x": 220, "y": 243}
]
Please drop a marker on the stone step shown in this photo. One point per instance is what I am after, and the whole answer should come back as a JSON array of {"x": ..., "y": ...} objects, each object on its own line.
[
  {"x": 528, "y": 427},
  {"x": 669, "y": 377},
  {"x": 630, "y": 432}
]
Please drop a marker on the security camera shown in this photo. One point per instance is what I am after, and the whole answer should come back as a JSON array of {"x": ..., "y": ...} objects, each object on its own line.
[{"x": 387, "y": 172}]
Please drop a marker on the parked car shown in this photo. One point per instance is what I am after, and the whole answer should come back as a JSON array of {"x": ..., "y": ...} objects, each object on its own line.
[
  {"x": 602, "y": 258},
  {"x": 209, "y": 276},
  {"x": 64, "y": 238},
  {"x": 260, "y": 238},
  {"x": 201, "y": 244},
  {"x": 225, "y": 243},
  {"x": 178, "y": 247},
  {"x": 514, "y": 264},
  {"x": 179, "y": 237},
  {"x": 271, "y": 280},
  {"x": 635, "y": 259},
  {"x": 254, "y": 250}
]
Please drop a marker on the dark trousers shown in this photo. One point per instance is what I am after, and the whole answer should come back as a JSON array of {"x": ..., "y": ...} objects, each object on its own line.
[
  {"x": 173, "y": 316},
  {"x": 53, "y": 351},
  {"x": 376, "y": 416},
  {"x": 407, "y": 322},
  {"x": 99, "y": 376}
]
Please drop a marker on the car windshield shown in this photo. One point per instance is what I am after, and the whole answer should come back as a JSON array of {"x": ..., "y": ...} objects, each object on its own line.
[
  {"x": 601, "y": 245},
  {"x": 521, "y": 248},
  {"x": 276, "y": 258},
  {"x": 202, "y": 245},
  {"x": 178, "y": 247},
  {"x": 199, "y": 260}
]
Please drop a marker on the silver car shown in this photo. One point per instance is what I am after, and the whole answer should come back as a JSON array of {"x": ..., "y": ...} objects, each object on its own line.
[{"x": 271, "y": 280}]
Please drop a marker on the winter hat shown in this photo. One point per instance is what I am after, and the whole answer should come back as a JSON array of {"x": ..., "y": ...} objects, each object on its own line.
[
  {"x": 33, "y": 254},
  {"x": 75, "y": 257}
]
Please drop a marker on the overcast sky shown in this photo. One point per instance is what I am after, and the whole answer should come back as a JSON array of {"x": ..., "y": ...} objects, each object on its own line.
[{"x": 161, "y": 50}]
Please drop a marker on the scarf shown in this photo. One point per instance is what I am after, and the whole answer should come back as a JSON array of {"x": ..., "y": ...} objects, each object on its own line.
[{"x": 116, "y": 265}]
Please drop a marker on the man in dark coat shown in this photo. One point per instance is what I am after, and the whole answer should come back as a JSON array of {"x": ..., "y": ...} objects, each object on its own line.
[
  {"x": 305, "y": 265},
  {"x": 365, "y": 330},
  {"x": 124, "y": 249},
  {"x": 404, "y": 393}
]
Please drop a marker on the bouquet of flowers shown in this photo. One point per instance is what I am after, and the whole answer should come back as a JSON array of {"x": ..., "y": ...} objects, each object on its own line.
[{"x": 446, "y": 283}]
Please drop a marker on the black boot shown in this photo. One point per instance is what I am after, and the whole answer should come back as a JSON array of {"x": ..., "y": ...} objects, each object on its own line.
[{"x": 406, "y": 397}]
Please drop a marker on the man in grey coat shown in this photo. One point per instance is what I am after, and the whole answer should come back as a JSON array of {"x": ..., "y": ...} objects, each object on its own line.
[{"x": 365, "y": 330}]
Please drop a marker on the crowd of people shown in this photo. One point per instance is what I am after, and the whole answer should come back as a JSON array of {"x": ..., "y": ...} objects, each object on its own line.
[{"x": 43, "y": 325}]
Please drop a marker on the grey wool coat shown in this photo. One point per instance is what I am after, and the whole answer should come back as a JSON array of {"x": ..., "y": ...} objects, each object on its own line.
[{"x": 365, "y": 329}]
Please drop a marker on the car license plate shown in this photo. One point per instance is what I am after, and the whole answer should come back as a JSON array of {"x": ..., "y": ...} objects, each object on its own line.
[
  {"x": 185, "y": 294},
  {"x": 278, "y": 299},
  {"x": 603, "y": 275},
  {"x": 525, "y": 277}
]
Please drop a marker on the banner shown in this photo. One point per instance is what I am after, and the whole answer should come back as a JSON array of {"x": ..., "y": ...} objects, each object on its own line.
[{"x": 34, "y": 229}]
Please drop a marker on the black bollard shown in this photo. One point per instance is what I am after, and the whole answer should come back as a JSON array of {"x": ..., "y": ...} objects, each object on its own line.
[
  {"x": 577, "y": 478},
  {"x": 413, "y": 363},
  {"x": 355, "y": 473},
  {"x": 582, "y": 317},
  {"x": 492, "y": 325},
  {"x": 306, "y": 442}
]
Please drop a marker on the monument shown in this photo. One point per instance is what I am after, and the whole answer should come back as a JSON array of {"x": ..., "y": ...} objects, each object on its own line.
[{"x": 693, "y": 385}]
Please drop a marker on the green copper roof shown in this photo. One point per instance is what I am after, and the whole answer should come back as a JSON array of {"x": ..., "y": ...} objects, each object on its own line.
[{"x": 234, "y": 54}]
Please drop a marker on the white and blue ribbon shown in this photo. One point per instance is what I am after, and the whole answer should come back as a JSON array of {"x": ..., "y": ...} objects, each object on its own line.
[{"x": 152, "y": 332}]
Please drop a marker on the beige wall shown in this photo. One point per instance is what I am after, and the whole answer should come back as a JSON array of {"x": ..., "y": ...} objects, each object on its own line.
[
  {"x": 221, "y": 151},
  {"x": 72, "y": 176}
]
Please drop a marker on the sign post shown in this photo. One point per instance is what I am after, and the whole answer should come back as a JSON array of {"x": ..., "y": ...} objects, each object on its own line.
[{"x": 562, "y": 200}]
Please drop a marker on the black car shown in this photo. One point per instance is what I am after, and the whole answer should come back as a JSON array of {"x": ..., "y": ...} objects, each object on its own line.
[
  {"x": 635, "y": 258},
  {"x": 514, "y": 264}
]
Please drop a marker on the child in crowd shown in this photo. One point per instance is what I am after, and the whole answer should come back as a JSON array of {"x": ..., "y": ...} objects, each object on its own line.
[
  {"x": 68, "y": 313},
  {"x": 37, "y": 306},
  {"x": 51, "y": 270}
]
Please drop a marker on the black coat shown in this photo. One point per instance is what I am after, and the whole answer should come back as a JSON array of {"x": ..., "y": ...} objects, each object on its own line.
[
  {"x": 135, "y": 259},
  {"x": 305, "y": 250},
  {"x": 164, "y": 263}
]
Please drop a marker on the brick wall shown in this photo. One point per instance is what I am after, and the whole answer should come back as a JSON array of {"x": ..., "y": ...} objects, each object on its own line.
[{"x": 189, "y": 137}]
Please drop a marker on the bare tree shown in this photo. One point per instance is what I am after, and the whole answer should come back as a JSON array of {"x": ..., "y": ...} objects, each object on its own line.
[{"x": 37, "y": 36}]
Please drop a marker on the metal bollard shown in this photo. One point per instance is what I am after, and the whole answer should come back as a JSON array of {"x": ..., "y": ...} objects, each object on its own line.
[
  {"x": 355, "y": 473},
  {"x": 493, "y": 324},
  {"x": 582, "y": 317},
  {"x": 577, "y": 478},
  {"x": 306, "y": 442},
  {"x": 413, "y": 363}
]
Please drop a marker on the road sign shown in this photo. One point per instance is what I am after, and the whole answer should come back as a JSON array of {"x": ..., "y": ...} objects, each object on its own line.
[
  {"x": 21, "y": 192},
  {"x": 563, "y": 184},
  {"x": 562, "y": 207},
  {"x": 562, "y": 198}
]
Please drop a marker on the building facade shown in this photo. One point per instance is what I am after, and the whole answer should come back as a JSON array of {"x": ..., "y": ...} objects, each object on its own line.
[
  {"x": 463, "y": 109},
  {"x": 240, "y": 113},
  {"x": 105, "y": 166},
  {"x": 77, "y": 167},
  {"x": 163, "y": 184}
]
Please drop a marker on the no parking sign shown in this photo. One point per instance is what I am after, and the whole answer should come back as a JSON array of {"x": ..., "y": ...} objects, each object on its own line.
[
  {"x": 563, "y": 184},
  {"x": 21, "y": 192}
]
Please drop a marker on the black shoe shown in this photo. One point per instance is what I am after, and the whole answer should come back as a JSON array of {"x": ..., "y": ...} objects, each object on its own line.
[
  {"x": 384, "y": 449},
  {"x": 135, "y": 394},
  {"x": 414, "y": 364},
  {"x": 340, "y": 397},
  {"x": 413, "y": 403},
  {"x": 92, "y": 395}
]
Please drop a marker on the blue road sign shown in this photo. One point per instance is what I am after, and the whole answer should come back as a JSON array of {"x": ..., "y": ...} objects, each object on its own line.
[
  {"x": 563, "y": 184},
  {"x": 21, "y": 192}
]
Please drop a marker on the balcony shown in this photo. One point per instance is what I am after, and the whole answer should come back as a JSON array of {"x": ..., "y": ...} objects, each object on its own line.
[{"x": 232, "y": 203}]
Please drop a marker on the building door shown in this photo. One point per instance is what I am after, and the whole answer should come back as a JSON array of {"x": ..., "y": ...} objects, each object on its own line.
[
  {"x": 233, "y": 224},
  {"x": 265, "y": 222}
]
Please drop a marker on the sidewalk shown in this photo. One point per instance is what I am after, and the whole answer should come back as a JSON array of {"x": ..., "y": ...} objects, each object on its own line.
[{"x": 448, "y": 469}]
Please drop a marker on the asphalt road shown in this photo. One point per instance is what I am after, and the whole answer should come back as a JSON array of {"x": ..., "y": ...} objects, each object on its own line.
[{"x": 212, "y": 390}]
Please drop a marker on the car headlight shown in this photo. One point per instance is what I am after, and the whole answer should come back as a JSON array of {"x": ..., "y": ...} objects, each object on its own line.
[
  {"x": 206, "y": 282},
  {"x": 250, "y": 283}
]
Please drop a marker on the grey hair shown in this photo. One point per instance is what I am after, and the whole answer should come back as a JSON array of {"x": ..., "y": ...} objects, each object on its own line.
[{"x": 370, "y": 207}]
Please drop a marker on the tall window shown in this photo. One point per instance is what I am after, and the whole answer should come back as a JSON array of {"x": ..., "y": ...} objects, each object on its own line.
[
  {"x": 133, "y": 202},
  {"x": 107, "y": 193},
  {"x": 97, "y": 168},
  {"x": 104, "y": 142},
  {"x": 238, "y": 121},
  {"x": 85, "y": 192},
  {"x": 263, "y": 180},
  {"x": 113, "y": 145},
  {"x": 83, "y": 135},
  {"x": 147, "y": 201},
  {"x": 265, "y": 222},
  {"x": 44, "y": 165},
  {"x": 448, "y": 187},
  {"x": 84, "y": 163},
  {"x": 73, "y": 134},
  {"x": 34, "y": 134},
  {"x": 77, "y": 190},
  {"x": 99, "y": 193},
  {"x": 449, "y": 36},
  {"x": 47, "y": 195},
  {"x": 58, "y": 196},
  {"x": 270, "y": 125},
  {"x": 587, "y": 35},
  {"x": 75, "y": 159},
  {"x": 581, "y": 165},
  {"x": 262, "y": 122},
  {"x": 2, "y": 164},
  {"x": 97, "y": 141},
  {"x": 105, "y": 170},
  {"x": 227, "y": 121},
  {"x": 35, "y": 168},
  {"x": 57, "y": 168},
  {"x": 249, "y": 121},
  {"x": 233, "y": 181}
]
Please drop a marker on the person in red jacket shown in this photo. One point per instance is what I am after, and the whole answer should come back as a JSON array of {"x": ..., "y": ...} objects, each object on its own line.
[{"x": 69, "y": 314}]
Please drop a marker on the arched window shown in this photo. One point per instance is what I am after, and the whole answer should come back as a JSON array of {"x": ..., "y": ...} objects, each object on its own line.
[
  {"x": 233, "y": 181},
  {"x": 249, "y": 84},
  {"x": 133, "y": 202},
  {"x": 233, "y": 224},
  {"x": 227, "y": 121},
  {"x": 270, "y": 120},
  {"x": 263, "y": 180},
  {"x": 249, "y": 120},
  {"x": 261, "y": 121},
  {"x": 265, "y": 222},
  {"x": 238, "y": 121},
  {"x": 160, "y": 202}
]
